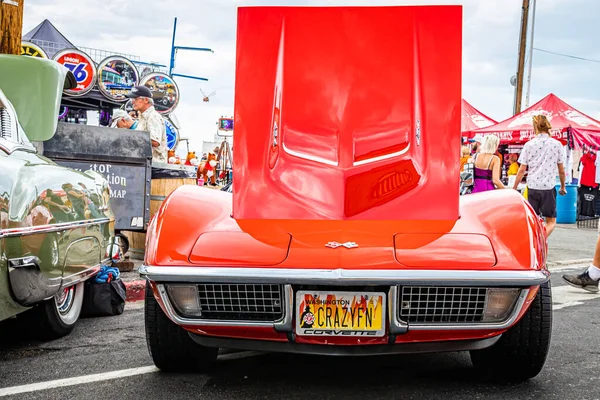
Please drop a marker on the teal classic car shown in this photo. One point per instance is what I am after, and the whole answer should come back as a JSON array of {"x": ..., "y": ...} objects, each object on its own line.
[{"x": 56, "y": 225}]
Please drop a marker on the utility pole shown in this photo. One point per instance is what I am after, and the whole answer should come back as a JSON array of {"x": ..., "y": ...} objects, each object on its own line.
[
  {"x": 521, "y": 62},
  {"x": 11, "y": 26},
  {"x": 530, "y": 55}
]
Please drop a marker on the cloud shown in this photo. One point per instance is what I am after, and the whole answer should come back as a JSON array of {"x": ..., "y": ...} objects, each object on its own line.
[{"x": 490, "y": 40}]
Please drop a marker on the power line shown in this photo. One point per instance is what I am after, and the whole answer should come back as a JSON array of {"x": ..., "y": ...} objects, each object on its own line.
[{"x": 567, "y": 55}]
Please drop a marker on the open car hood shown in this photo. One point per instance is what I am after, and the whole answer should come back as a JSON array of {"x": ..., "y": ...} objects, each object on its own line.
[
  {"x": 347, "y": 113},
  {"x": 34, "y": 86}
]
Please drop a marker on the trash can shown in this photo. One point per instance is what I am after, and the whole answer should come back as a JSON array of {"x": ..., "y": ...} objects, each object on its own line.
[{"x": 566, "y": 206}]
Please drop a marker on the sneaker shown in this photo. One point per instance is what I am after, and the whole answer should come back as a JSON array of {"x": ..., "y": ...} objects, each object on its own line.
[{"x": 582, "y": 281}]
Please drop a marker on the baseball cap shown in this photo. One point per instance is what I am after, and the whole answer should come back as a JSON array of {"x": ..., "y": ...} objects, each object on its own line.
[
  {"x": 117, "y": 115},
  {"x": 139, "y": 91}
]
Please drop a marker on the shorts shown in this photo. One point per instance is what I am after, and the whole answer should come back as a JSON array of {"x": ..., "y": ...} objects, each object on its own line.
[{"x": 543, "y": 202}]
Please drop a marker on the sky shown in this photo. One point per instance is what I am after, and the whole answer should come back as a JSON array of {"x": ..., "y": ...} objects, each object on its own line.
[{"x": 490, "y": 48}]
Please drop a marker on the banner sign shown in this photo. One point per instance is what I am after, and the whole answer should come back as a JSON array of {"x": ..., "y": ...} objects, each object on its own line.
[
  {"x": 127, "y": 190},
  {"x": 116, "y": 77},
  {"x": 32, "y": 50},
  {"x": 82, "y": 66},
  {"x": 164, "y": 91}
]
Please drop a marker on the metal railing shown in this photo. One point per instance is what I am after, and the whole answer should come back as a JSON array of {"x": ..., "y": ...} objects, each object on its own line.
[
  {"x": 584, "y": 222},
  {"x": 51, "y": 48}
]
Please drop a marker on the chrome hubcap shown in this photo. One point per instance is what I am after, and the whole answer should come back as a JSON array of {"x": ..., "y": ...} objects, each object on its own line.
[{"x": 64, "y": 300}]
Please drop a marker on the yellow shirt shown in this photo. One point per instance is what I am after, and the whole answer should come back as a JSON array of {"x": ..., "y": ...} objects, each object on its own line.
[
  {"x": 463, "y": 161},
  {"x": 513, "y": 169}
]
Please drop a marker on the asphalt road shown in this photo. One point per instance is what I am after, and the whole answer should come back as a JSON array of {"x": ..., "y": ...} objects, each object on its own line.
[
  {"x": 104, "y": 345},
  {"x": 567, "y": 242}
]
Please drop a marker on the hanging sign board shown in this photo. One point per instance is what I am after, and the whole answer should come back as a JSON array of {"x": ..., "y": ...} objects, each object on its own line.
[
  {"x": 82, "y": 66},
  {"x": 32, "y": 50},
  {"x": 172, "y": 135},
  {"x": 164, "y": 91},
  {"x": 116, "y": 77},
  {"x": 225, "y": 124}
]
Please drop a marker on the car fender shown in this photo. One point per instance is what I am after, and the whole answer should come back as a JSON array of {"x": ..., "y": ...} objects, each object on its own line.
[
  {"x": 517, "y": 234},
  {"x": 186, "y": 213}
]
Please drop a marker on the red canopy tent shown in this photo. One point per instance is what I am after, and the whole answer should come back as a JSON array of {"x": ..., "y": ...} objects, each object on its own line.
[
  {"x": 518, "y": 129},
  {"x": 473, "y": 119}
]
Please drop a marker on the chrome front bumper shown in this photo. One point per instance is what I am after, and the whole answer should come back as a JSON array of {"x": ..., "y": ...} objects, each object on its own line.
[
  {"x": 392, "y": 278},
  {"x": 345, "y": 277}
]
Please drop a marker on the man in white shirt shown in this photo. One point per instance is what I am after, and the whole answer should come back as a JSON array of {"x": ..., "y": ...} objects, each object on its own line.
[
  {"x": 542, "y": 157},
  {"x": 150, "y": 121}
]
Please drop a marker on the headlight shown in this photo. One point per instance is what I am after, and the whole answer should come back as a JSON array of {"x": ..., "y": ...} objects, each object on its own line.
[
  {"x": 185, "y": 300},
  {"x": 499, "y": 304}
]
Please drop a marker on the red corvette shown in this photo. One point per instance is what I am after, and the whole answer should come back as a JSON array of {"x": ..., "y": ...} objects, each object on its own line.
[{"x": 345, "y": 233}]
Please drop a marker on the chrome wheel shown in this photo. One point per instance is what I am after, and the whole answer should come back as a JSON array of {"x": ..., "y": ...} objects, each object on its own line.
[
  {"x": 68, "y": 303},
  {"x": 64, "y": 300}
]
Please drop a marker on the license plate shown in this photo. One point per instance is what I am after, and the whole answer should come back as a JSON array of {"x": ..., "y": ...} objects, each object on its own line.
[{"x": 340, "y": 313}]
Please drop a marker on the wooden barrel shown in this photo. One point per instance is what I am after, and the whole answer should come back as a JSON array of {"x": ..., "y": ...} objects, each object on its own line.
[{"x": 159, "y": 190}]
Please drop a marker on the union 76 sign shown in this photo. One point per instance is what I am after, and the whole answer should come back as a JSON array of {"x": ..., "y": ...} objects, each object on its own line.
[{"x": 82, "y": 66}]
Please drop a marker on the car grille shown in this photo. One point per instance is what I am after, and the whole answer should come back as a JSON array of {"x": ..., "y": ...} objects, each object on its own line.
[
  {"x": 418, "y": 304},
  {"x": 5, "y": 124},
  {"x": 241, "y": 302}
]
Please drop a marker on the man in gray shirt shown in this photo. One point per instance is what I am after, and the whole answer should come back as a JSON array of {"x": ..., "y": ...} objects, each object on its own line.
[{"x": 542, "y": 157}]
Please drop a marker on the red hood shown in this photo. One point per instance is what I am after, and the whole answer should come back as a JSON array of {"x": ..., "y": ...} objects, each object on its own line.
[{"x": 347, "y": 113}]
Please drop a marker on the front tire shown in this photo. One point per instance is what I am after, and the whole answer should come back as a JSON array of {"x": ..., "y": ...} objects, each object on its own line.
[
  {"x": 521, "y": 352},
  {"x": 170, "y": 346}
]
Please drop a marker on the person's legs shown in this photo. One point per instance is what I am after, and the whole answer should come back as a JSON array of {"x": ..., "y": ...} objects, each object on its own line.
[
  {"x": 535, "y": 200},
  {"x": 550, "y": 225},
  {"x": 588, "y": 280},
  {"x": 548, "y": 209}
]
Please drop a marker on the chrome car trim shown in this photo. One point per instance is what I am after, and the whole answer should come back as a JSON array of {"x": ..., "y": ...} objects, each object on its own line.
[
  {"x": 285, "y": 324},
  {"x": 397, "y": 326},
  {"x": 34, "y": 230},
  {"x": 367, "y": 350},
  {"x": 517, "y": 307},
  {"x": 10, "y": 147},
  {"x": 344, "y": 277},
  {"x": 172, "y": 314},
  {"x": 83, "y": 275}
]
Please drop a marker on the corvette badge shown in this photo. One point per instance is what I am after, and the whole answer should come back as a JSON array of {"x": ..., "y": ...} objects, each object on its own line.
[{"x": 335, "y": 245}]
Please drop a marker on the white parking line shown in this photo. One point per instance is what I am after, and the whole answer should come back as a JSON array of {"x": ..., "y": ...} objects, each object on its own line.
[
  {"x": 79, "y": 380},
  {"x": 570, "y": 267},
  {"x": 568, "y": 296},
  {"x": 34, "y": 387}
]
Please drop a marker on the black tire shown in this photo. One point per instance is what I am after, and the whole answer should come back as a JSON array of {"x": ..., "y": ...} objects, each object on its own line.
[
  {"x": 171, "y": 347},
  {"x": 54, "y": 318},
  {"x": 521, "y": 352}
]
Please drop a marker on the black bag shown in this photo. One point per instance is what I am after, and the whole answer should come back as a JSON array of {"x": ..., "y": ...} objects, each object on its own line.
[{"x": 104, "y": 298}]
